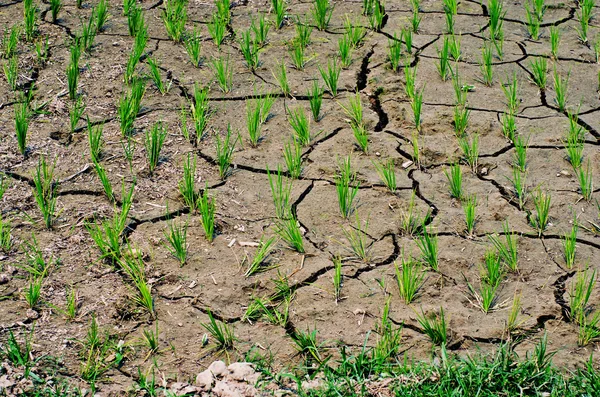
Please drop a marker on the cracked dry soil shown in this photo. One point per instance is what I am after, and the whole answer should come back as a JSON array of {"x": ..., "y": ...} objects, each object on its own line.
[{"x": 213, "y": 278}]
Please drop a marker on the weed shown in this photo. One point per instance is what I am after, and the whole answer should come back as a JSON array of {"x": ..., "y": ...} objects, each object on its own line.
[
  {"x": 36, "y": 265},
  {"x": 21, "y": 125},
  {"x": 434, "y": 326},
  {"x": 539, "y": 70},
  {"x": 387, "y": 174},
  {"x": 428, "y": 245},
  {"x": 175, "y": 17},
  {"x": 176, "y": 237},
  {"x": 306, "y": 344},
  {"x": 469, "y": 208},
  {"x": 45, "y": 190},
  {"x": 300, "y": 124},
  {"x": 541, "y": 201},
  {"x": 162, "y": 87},
  {"x": 71, "y": 308},
  {"x": 207, "y": 208},
  {"x": 193, "y": 48},
  {"x": 315, "y": 99},
  {"x": 17, "y": 354},
  {"x": 346, "y": 193},
  {"x": 223, "y": 72},
  {"x": 569, "y": 242},
  {"x": 292, "y": 153},
  {"x": 280, "y": 75},
  {"x": 331, "y": 76},
  {"x": 265, "y": 247},
  {"x": 410, "y": 280}
]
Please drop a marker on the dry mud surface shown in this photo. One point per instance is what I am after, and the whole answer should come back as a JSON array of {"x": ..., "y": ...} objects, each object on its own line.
[{"x": 213, "y": 278}]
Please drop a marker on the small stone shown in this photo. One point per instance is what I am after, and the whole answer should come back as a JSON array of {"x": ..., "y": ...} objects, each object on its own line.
[
  {"x": 218, "y": 368},
  {"x": 407, "y": 164},
  {"x": 242, "y": 372},
  {"x": 4, "y": 278},
  {"x": 32, "y": 314},
  {"x": 484, "y": 171},
  {"x": 205, "y": 380}
]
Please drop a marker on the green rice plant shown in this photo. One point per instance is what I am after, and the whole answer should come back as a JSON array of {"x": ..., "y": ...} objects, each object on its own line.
[
  {"x": 415, "y": 18},
  {"x": 337, "y": 278},
  {"x": 496, "y": 18},
  {"x": 217, "y": 29},
  {"x": 388, "y": 341},
  {"x": 520, "y": 156},
  {"x": 224, "y": 10},
  {"x": 22, "y": 115},
  {"x": 129, "y": 106},
  {"x": 265, "y": 102},
  {"x": 569, "y": 243},
  {"x": 470, "y": 210},
  {"x": 105, "y": 181},
  {"x": 10, "y": 40},
  {"x": 580, "y": 292},
  {"x": 260, "y": 29},
  {"x": 174, "y": 18},
  {"x": 35, "y": 262},
  {"x": 154, "y": 140},
  {"x": 45, "y": 190},
  {"x": 292, "y": 153},
  {"x": 541, "y": 202},
  {"x": 354, "y": 31},
  {"x": 387, "y": 174},
  {"x": 95, "y": 140},
  {"x": 6, "y": 240},
  {"x": 470, "y": 150},
  {"x": 134, "y": 267},
  {"x": 306, "y": 345},
  {"x": 11, "y": 72},
  {"x": 434, "y": 326},
  {"x": 289, "y": 231},
  {"x": 253, "y": 122},
  {"x": 331, "y": 76},
  {"x": 428, "y": 245},
  {"x": 151, "y": 341},
  {"x": 411, "y": 222},
  {"x": 249, "y": 49},
  {"x": 321, "y": 12},
  {"x": 508, "y": 250},
  {"x": 589, "y": 328},
  {"x": 455, "y": 181},
  {"x": 356, "y": 237},
  {"x": 486, "y": 66},
  {"x": 586, "y": 182},
  {"x": 345, "y": 51},
  {"x": 377, "y": 15},
  {"x": 42, "y": 50},
  {"x": 187, "y": 185},
  {"x": 509, "y": 125},
  {"x": 346, "y": 192},
  {"x": 354, "y": 109},
  {"x": 176, "y": 241},
  {"x": 519, "y": 186},
  {"x": 460, "y": 90},
  {"x": 410, "y": 74},
  {"x": 135, "y": 20},
  {"x": 33, "y": 292},
  {"x": 297, "y": 54},
  {"x": 486, "y": 297},
  {"x": 88, "y": 34},
  {"x": 193, "y": 47},
  {"x": 30, "y": 14},
  {"x": 584, "y": 15},
  {"x": 560, "y": 90},
  {"x": 539, "y": 70},
  {"x": 55, "y": 7},
  {"x": 461, "y": 119},
  {"x": 555, "y": 34},
  {"x": 223, "y": 73},
  {"x": 315, "y": 99},
  {"x": 281, "y": 194},
  {"x": 511, "y": 323},
  {"x": 162, "y": 87},
  {"x": 75, "y": 113},
  {"x": 395, "y": 52},
  {"x": 279, "y": 8},
  {"x": 280, "y": 75},
  {"x": 574, "y": 142},
  {"x": 407, "y": 36},
  {"x": 265, "y": 247},
  {"x": 533, "y": 23},
  {"x": 101, "y": 14},
  {"x": 597, "y": 50},
  {"x": 207, "y": 207},
  {"x": 450, "y": 10},
  {"x": 303, "y": 33},
  {"x": 107, "y": 237},
  {"x": 3, "y": 186},
  {"x": 72, "y": 303},
  {"x": 410, "y": 280},
  {"x": 417, "y": 105},
  {"x": 73, "y": 71},
  {"x": 492, "y": 272},
  {"x": 200, "y": 111},
  {"x": 224, "y": 151},
  {"x": 139, "y": 45},
  {"x": 539, "y": 8},
  {"x": 300, "y": 124},
  {"x": 443, "y": 65},
  {"x": 511, "y": 93}
]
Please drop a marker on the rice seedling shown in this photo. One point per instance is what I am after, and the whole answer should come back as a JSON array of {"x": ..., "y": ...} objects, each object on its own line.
[
  {"x": 193, "y": 48},
  {"x": 30, "y": 14},
  {"x": 303, "y": 33},
  {"x": 200, "y": 111},
  {"x": 533, "y": 23},
  {"x": 541, "y": 202},
  {"x": 75, "y": 113},
  {"x": 354, "y": 31},
  {"x": 11, "y": 72},
  {"x": 356, "y": 237},
  {"x": 416, "y": 106},
  {"x": 162, "y": 87},
  {"x": 511, "y": 93},
  {"x": 224, "y": 151},
  {"x": 101, "y": 14},
  {"x": 73, "y": 71},
  {"x": 292, "y": 153},
  {"x": 10, "y": 40},
  {"x": 33, "y": 292},
  {"x": 133, "y": 265},
  {"x": 55, "y": 7},
  {"x": 519, "y": 186},
  {"x": 315, "y": 99},
  {"x": 36, "y": 264},
  {"x": 580, "y": 293},
  {"x": 249, "y": 49},
  {"x": 513, "y": 314},
  {"x": 470, "y": 210},
  {"x": 555, "y": 35},
  {"x": 492, "y": 272},
  {"x": 586, "y": 182},
  {"x": 22, "y": 115},
  {"x": 42, "y": 50},
  {"x": 260, "y": 29},
  {"x": 410, "y": 74},
  {"x": 377, "y": 15},
  {"x": 450, "y": 10},
  {"x": 569, "y": 243},
  {"x": 72, "y": 303},
  {"x": 520, "y": 155},
  {"x": 289, "y": 231},
  {"x": 354, "y": 109},
  {"x": 187, "y": 185},
  {"x": 443, "y": 66},
  {"x": 507, "y": 251},
  {"x": 281, "y": 194},
  {"x": 128, "y": 145},
  {"x": 176, "y": 241},
  {"x": 223, "y": 73},
  {"x": 265, "y": 247},
  {"x": 217, "y": 29},
  {"x": 428, "y": 245},
  {"x": 410, "y": 279},
  {"x": 346, "y": 192},
  {"x": 150, "y": 340},
  {"x": 253, "y": 122},
  {"x": 129, "y": 106},
  {"x": 486, "y": 296},
  {"x": 6, "y": 240},
  {"x": 224, "y": 10},
  {"x": 410, "y": 221},
  {"x": 509, "y": 125},
  {"x": 337, "y": 278},
  {"x": 135, "y": 20},
  {"x": 139, "y": 45},
  {"x": 461, "y": 119},
  {"x": 434, "y": 326},
  {"x": 300, "y": 124},
  {"x": 395, "y": 52},
  {"x": 560, "y": 90},
  {"x": 45, "y": 190},
  {"x": 597, "y": 50},
  {"x": 588, "y": 328},
  {"x": 88, "y": 34},
  {"x": 387, "y": 174},
  {"x": 321, "y": 12},
  {"x": 388, "y": 341},
  {"x": 279, "y": 8},
  {"x": 574, "y": 142},
  {"x": 207, "y": 208},
  {"x": 174, "y": 18},
  {"x": 416, "y": 152},
  {"x": 486, "y": 65},
  {"x": 455, "y": 181},
  {"x": 331, "y": 76},
  {"x": 265, "y": 103},
  {"x": 154, "y": 140},
  {"x": 539, "y": 71},
  {"x": 297, "y": 54},
  {"x": 470, "y": 150},
  {"x": 105, "y": 181},
  {"x": 280, "y": 75},
  {"x": 345, "y": 51},
  {"x": 584, "y": 15},
  {"x": 407, "y": 37},
  {"x": 107, "y": 237},
  {"x": 496, "y": 18},
  {"x": 415, "y": 18}
]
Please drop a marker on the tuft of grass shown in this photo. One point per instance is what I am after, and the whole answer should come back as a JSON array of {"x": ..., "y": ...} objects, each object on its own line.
[
  {"x": 300, "y": 124},
  {"x": 428, "y": 245},
  {"x": 541, "y": 202},
  {"x": 455, "y": 181},
  {"x": 434, "y": 326},
  {"x": 321, "y": 12},
  {"x": 162, "y": 87},
  {"x": 207, "y": 208},
  {"x": 331, "y": 76},
  {"x": 387, "y": 174},
  {"x": 560, "y": 90},
  {"x": 539, "y": 71},
  {"x": 508, "y": 250},
  {"x": 356, "y": 237},
  {"x": 410, "y": 279},
  {"x": 346, "y": 192},
  {"x": 22, "y": 116},
  {"x": 174, "y": 18},
  {"x": 45, "y": 190},
  {"x": 292, "y": 153},
  {"x": 569, "y": 243},
  {"x": 223, "y": 73},
  {"x": 224, "y": 152},
  {"x": 315, "y": 99},
  {"x": 194, "y": 48},
  {"x": 154, "y": 140},
  {"x": 176, "y": 241}
]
